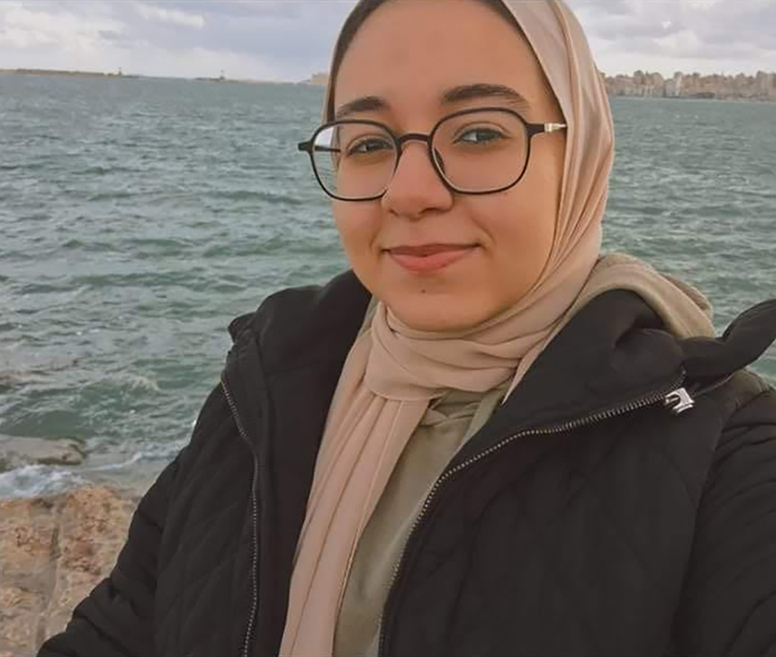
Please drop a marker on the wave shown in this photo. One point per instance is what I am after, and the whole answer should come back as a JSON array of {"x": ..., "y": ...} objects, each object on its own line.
[
  {"x": 35, "y": 480},
  {"x": 124, "y": 380},
  {"x": 37, "y": 372},
  {"x": 100, "y": 170},
  {"x": 35, "y": 166},
  {"x": 248, "y": 195},
  {"x": 140, "y": 381},
  {"x": 110, "y": 196},
  {"x": 132, "y": 471}
]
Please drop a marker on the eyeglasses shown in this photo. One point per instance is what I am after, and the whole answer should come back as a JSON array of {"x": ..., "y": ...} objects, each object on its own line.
[{"x": 474, "y": 151}]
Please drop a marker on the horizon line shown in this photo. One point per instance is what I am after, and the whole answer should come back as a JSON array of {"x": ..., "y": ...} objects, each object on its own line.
[{"x": 120, "y": 73}]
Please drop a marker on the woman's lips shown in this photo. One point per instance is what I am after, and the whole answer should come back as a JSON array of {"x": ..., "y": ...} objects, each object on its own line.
[{"x": 425, "y": 260}]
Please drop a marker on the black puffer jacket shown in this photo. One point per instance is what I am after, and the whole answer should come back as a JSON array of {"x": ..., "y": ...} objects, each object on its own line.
[{"x": 585, "y": 518}]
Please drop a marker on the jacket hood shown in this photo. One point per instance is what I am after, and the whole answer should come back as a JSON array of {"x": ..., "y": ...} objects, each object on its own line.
[
  {"x": 613, "y": 349},
  {"x": 303, "y": 325}
]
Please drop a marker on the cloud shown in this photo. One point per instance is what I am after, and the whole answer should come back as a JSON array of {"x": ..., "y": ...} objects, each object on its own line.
[
  {"x": 290, "y": 40},
  {"x": 172, "y": 16},
  {"x": 246, "y": 40},
  {"x": 704, "y": 35},
  {"x": 24, "y": 27}
]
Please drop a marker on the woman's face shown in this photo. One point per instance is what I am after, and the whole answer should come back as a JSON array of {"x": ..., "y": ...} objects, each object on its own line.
[{"x": 410, "y": 53}]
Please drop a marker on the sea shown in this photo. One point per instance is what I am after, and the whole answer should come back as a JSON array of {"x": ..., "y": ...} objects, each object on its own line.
[{"x": 139, "y": 216}]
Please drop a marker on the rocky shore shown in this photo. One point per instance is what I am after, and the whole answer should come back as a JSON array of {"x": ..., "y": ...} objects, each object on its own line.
[
  {"x": 18, "y": 451},
  {"x": 53, "y": 550}
]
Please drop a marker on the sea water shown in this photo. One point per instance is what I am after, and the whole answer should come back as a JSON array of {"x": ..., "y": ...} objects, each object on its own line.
[{"x": 139, "y": 216}]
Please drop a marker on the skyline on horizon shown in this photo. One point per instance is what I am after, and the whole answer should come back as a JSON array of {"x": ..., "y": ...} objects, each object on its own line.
[
  {"x": 290, "y": 41},
  {"x": 226, "y": 78}
]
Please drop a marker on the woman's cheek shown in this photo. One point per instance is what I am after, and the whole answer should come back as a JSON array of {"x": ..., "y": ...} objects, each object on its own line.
[{"x": 359, "y": 243}]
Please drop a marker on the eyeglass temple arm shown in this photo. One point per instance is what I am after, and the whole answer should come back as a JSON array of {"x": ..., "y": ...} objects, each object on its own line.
[
  {"x": 307, "y": 147},
  {"x": 539, "y": 128}
]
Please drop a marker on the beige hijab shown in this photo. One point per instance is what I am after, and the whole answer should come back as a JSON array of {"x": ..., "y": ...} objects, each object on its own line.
[{"x": 392, "y": 371}]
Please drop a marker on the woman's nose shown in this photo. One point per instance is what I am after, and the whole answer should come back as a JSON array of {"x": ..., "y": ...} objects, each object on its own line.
[{"x": 416, "y": 186}]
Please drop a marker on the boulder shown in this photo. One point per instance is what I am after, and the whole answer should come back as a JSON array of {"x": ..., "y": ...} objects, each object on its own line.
[
  {"x": 53, "y": 551},
  {"x": 18, "y": 451}
]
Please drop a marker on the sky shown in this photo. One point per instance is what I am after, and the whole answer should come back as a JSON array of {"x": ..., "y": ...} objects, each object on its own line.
[{"x": 289, "y": 40}]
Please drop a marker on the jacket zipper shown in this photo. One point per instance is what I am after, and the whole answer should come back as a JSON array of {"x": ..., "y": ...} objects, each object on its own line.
[
  {"x": 698, "y": 391},
  {"x": 254, "y": 514},
  {"x": 676, "y": 398}
]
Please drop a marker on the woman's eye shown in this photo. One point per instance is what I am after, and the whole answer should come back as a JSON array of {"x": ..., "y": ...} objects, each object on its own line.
[
  {"x": 481, "y": 136},
  {"x": 367, "y": 146}
]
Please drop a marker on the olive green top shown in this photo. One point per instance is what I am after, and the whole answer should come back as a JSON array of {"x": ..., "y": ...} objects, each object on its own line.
[{"x": 448, "y": 423}]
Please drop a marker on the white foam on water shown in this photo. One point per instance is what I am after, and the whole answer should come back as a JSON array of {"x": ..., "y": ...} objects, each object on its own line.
[
  {"x": 35, "y": 480},
  {"x": 140, "y": 381},
  {"x": 135, "y": 470},
  {"x": 136, "y": 458}
]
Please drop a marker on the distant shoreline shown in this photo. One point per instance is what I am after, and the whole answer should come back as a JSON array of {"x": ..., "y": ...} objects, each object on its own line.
[
  {"x": 69, "y": 74},
  {"x": 124, "y": 76},
  {"x": 726, "y": 99},
  {"x": 320, "y": 79}
]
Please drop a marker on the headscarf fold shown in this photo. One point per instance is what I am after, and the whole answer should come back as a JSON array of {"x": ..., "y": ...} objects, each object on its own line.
[{"x": 392, "y": 371}]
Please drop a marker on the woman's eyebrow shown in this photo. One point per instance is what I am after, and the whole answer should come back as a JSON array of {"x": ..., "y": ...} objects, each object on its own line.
[
  {"x": 482, "y": 90},
  {"x": 450, "y": 96}
]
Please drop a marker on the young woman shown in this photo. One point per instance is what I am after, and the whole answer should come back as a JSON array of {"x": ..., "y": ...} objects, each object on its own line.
[{"x": 485, "y": 439}]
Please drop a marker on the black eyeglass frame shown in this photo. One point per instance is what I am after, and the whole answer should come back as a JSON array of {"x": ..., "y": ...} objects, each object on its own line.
[{"x": 531, "y": 130}]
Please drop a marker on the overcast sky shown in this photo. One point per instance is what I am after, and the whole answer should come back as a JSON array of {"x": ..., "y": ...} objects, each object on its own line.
[{"x": 291, "y": 39}]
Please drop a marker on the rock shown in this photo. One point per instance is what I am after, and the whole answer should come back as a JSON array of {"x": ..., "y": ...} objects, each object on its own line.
[
  {"x": 8, "y": 379},
  {"x": 53, "y": 551},
  {"x": 17, "y": 451}
]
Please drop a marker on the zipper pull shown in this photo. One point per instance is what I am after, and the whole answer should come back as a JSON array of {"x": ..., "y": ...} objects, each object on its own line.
[{"x": 678, "y": 401}]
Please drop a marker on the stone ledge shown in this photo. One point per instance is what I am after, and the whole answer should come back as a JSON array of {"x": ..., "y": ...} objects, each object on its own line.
[
  {"x": 53, "y": 551},
  {"x": 18, "y": 451}
]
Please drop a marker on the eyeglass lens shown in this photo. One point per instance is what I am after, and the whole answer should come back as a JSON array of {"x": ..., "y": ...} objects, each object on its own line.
[{"x": 476, "y": 152}]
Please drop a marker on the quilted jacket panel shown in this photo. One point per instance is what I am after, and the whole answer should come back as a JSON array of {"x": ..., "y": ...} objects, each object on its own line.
[{"x": 576, "y": 522}]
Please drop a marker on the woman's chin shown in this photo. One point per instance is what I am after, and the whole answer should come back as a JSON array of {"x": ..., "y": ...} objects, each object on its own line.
[{"x": 426, "y": 313}]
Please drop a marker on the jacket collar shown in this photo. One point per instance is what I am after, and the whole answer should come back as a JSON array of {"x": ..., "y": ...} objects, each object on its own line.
[
  {"x": 613, "y": 350},
  {"x": 299, "y": 327}
]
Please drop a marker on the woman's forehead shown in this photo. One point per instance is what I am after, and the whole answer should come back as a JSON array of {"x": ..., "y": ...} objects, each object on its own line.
[{"x": 402, "y": 56}]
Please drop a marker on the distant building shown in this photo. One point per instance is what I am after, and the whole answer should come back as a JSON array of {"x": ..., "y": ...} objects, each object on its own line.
[
  {"x": 673, "y": 87},
  {"x": 694, "y": 85},
  {"x": 766, "y": 82},
  {"x": 321, "y": 79}
]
